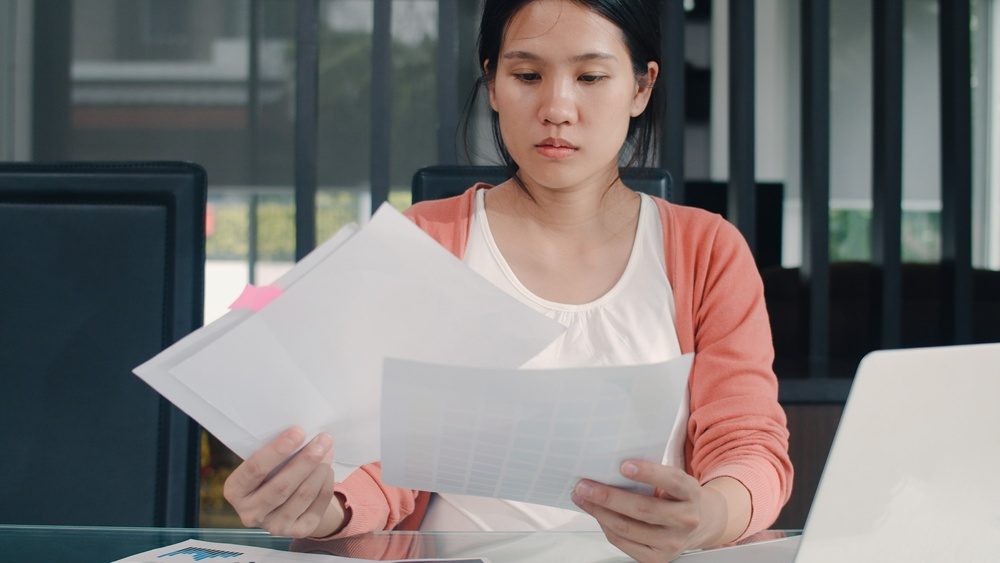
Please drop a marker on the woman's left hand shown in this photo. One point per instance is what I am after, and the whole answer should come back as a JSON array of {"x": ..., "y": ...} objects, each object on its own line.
[{"x": 681, "y": 515}]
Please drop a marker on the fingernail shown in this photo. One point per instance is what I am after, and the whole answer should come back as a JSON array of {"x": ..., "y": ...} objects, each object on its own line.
[
  {"x": 321, "y": 443},
  {"x": 290, "y": 441},
  {"x": 630, "y": 469},
  {"x": 584, "y": 489}
]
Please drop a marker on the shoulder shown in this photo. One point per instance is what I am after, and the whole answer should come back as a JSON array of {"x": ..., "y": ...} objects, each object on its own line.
[
  {"x": 445, "y": 210},
  {"x": 693, "y": 231},
  {"x": 447, "y": 220}
]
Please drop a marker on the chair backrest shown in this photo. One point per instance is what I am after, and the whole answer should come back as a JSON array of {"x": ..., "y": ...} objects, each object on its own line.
[
  {"x": 714, "y": 196},
  {"x": 441, "y": 181},
  {"x": 101, "y": 267}
]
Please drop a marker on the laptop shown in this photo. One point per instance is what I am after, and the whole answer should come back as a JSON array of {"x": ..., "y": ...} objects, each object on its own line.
[{"x": 914, "y": 471}]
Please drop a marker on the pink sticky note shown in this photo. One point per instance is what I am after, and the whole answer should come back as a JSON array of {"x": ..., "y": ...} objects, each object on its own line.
[{"x": 255, "y": 298}]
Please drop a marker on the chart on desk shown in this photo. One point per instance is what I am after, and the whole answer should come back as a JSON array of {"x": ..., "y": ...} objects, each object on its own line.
[{"x": 196, "y": 550}]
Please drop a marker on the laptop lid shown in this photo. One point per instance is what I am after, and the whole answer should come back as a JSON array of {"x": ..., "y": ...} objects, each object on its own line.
[{"x": 914, "y": 471}]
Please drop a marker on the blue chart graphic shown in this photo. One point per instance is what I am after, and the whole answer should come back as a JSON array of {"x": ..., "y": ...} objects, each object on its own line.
[{"x": 200, "y": 553}]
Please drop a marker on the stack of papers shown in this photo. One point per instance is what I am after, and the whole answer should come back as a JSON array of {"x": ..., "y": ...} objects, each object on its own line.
[
  {"x": 313, "y": 356},
  {"x": 403, "y": 354}
]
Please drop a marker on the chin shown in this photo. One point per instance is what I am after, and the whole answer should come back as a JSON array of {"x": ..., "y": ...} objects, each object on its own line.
[{"x": 557, "y": 175}]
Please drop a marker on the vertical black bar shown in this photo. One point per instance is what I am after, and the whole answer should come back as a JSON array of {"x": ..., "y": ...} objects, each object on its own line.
[
  {"x": 447, "y": 81},
  {"x": 815, "y": 37},
  {"x": 253, "y": 91},
  {"x": 742, "y": 190},
  {"x": 306, "y": 110},
  {"x": 671, "y": 84},
  {"x": 956, "y": 163},
  {"x": 381, "y": 118},
  {"x": 887, "y": 163},
  {"x": 252, "y": 231},
  {"x": 253, "y": 132},
  {"x": 51, "y": 81}
]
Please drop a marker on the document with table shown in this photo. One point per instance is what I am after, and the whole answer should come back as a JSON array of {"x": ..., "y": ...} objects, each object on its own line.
[
  {"x": 526, "y": 435},
  {"x": 392, "y": 345}
]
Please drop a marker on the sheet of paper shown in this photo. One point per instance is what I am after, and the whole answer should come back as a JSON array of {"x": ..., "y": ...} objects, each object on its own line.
[
  {"x": 525, "y": 435},
  {"x": 313, "y": 356},
  {"x": 156, "y": 371},
  {"x": 197, "y": 550}
]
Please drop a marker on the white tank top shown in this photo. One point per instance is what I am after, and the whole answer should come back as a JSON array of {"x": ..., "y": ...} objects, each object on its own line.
[{"x": 633, "y": 323}]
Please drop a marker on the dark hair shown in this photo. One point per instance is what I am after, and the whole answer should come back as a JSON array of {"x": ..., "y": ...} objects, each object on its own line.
[{"x": 639, "y": 21}]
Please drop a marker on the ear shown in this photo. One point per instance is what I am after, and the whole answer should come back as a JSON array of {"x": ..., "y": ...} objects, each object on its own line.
[
  {"x": 644, "y": 88},
  {"x": 490, "y": 84}
]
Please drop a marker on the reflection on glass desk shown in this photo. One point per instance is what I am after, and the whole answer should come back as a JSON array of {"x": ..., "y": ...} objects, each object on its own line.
[{"x": 69, "y": 544}]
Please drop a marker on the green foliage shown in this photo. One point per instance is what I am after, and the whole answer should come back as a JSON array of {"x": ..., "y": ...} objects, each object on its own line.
[
  {"x": 334, "y": 210},
  {"x": 228, "y": 241},
  {"x": 850, "y": 235},
  {"x": 276, "y": 229},
  {"x": 345, "y": 77},
  {"x": 276, "y": 223}
]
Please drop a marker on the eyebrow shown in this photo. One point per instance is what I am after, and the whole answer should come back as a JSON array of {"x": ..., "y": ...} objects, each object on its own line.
[{"x": 526, "y": 55}]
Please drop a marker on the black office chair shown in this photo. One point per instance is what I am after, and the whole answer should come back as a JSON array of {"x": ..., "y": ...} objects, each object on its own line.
[
  {"x": 441, "y": 181},
  {"x": 101, "y": 267}
]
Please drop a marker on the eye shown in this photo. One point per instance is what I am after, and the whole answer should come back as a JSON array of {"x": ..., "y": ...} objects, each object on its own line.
[
  {"x": 527, "y": 76},
  {"x": 591, "y": 78}
]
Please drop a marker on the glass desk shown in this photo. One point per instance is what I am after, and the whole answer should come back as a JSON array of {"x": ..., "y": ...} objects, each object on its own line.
[{"x": 71, "y": 544}]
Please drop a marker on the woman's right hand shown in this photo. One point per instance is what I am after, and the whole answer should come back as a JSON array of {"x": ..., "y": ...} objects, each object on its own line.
[{"x": 298, "y": 499}]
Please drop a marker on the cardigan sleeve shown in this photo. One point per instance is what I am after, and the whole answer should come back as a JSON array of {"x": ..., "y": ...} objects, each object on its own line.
[
  {"x": 736, "y": 427},
  {"x": 374, "y": 505}
]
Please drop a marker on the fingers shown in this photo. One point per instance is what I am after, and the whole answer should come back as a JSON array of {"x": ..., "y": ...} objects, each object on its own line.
[
  {"x": 624, "y": 526},
  {"x": 670, "y": 513},
  {"x": 300, "y": 514},
  {"x": 670, "y": 482},
  {"x": 277, "y": 503},
  {"x": 246, "y": 478},
  {"x": 284, "y": 483},
  {"x": 645, "y": 534},
  {"x": 314, "y": 516}
]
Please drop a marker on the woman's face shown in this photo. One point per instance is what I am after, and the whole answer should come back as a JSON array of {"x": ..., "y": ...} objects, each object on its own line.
[{"x": 564, "y": 90}]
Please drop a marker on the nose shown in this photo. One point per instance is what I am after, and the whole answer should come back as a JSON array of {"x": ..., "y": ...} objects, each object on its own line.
[{"x": 558, "y": 103}]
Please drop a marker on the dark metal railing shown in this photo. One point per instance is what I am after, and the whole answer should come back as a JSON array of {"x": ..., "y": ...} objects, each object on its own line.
[
  {"x": 742, "y": 195},
  {"x": 672, "y": 81},
  {"x": 306, "y": 123},
  {"x": 887, "y": 165},
  {"x": 381, "y": 96},
  {"x": 815, "y": 270},
  {"x": 447, "y": 81},
  {"x": 956, "y": 164}
]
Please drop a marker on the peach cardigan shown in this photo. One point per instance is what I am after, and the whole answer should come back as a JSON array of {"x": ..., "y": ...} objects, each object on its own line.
[{"x": 736, "y": 427}]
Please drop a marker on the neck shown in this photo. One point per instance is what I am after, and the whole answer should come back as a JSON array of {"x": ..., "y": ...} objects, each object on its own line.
[{"x": 600, "y": 202}]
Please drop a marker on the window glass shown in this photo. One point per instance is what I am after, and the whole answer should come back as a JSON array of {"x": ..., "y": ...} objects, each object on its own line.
[{"x": 182, "y": 80}]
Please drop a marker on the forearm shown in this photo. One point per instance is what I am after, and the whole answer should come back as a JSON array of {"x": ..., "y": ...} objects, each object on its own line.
[{"x": 728, "y": 511}]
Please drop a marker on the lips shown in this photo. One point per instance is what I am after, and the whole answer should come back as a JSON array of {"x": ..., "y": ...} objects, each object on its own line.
[
  {"x": 557, "y": 143},
  {"x": 556, "y": 148}
]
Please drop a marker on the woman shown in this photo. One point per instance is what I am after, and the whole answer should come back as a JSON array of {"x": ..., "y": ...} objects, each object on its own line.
[{"x": 634, "y": 279}]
